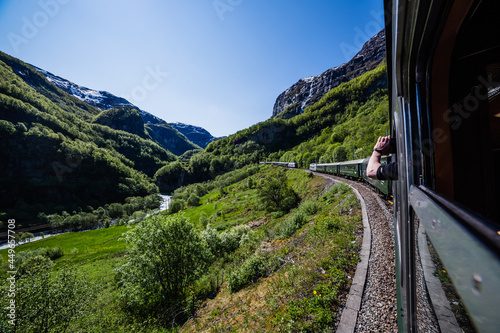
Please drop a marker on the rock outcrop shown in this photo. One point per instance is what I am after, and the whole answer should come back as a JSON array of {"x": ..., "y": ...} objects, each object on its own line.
[{"x": 309, "y": 90}]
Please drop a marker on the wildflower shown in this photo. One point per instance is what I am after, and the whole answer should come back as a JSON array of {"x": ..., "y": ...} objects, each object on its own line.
[{"x": 314, "y": 292}]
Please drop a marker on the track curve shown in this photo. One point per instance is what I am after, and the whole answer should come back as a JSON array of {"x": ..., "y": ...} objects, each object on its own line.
[{"x": 378, "y": 310}]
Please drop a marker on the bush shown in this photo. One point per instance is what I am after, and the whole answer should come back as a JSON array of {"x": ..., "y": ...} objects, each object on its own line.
[
  {"x": 46, "y": 301},
  {"x": 176, "y": 205},
  {"x": 6, "y": 128},
  {"x": 276, "y": 195},
  {"x": 251, "y": 270},
  {"x": 291, "y": 225},
  {"x": 230, "y": 240},
  {"x": 203, "y": 220},
  {"x": 138, "y": 216},
  {"x": 213, "y": 240},
  {"x": 336, "y": 192},
  {"x": 165, "y": 255},
  {"x": 250, "y": 183},
  {"x": 193, "y": 200},
  {"x": 115, "y": 210},
  {"x": 309, "y": 208},
  {"x": 55, "y": 252}
]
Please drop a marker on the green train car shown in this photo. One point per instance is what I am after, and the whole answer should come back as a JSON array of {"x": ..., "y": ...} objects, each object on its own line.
[
  {"x": 382, "y": 186},
  {"x": 356, "y": 170}
]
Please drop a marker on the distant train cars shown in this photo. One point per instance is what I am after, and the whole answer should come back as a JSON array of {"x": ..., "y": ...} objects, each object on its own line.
[
  {"x": 282, "y": 164},
  {"x": 356, "y": 170}
]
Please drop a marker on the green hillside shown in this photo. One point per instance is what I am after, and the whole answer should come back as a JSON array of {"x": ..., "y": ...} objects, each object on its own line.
[
  {"x": 224, "y": 247},
  {"x": 167, "y": 136},
  {"x": 348, "y": 118},
  {"x": 54, "y": 158},
  {"x": 124, "y": 118},
  {"x": 246, "y": 246}
]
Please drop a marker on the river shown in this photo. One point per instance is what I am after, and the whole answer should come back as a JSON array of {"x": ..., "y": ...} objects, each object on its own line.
[{"x": 165, "y": 201}]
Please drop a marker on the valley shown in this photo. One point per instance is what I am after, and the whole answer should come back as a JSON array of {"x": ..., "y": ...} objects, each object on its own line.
[{"x": 241, "y": 247}]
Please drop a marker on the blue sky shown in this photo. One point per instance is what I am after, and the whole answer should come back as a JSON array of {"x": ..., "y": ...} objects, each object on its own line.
[{"x": 219, "y": 64}]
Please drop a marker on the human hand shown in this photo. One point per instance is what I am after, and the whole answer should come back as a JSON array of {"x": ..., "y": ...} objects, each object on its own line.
[{"x": 382, "y": 145}]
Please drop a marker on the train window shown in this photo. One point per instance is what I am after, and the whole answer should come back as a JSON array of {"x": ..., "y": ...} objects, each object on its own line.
[
  {"x": 475, "y": 110},
  {"x": 473, "y": 114}
]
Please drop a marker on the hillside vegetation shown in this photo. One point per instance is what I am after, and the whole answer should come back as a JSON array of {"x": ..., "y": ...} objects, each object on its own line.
[
  {"x": 55, "y": 159},
  {"x": 242, "y": 247},
  {"x": 348, "y": 118},
  {"x": 248, "y": 266}
]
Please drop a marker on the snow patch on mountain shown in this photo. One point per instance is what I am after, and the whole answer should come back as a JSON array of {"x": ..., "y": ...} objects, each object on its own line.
[{"x": 104, "y": 101}]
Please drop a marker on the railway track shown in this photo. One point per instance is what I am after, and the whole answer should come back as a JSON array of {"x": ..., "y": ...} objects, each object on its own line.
[{"x": 377, "y": 307}]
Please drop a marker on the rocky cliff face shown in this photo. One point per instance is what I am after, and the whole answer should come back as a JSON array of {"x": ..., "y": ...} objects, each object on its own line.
[{"x": 310, "y": 90}]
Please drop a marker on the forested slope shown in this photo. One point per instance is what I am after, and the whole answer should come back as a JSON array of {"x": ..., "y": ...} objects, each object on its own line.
[
  {"x": 55, "y": 159},
  {"x": 348, "y": 118}
]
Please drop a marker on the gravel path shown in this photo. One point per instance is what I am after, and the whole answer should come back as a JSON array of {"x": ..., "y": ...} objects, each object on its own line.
[{"x": 378, "y": 311}]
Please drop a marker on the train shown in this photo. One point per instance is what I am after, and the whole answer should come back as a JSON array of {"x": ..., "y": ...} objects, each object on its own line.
[
  {"x": 443, "y": 60},
  {"x": 356, "y": 170},
  {"x": 282, "y": 164},
  {"x": 444, "y": 97}
]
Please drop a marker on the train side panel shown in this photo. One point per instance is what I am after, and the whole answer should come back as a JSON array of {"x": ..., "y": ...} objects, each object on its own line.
[
  {"x": 350, "y": 169},
  {"x": 383, "y": 186}
]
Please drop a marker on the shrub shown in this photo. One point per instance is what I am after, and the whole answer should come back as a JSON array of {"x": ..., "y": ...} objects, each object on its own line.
[
  {"x": 335, "y": 192},
  {"x": 46, "y": 301},
  {"x": 203, "y": 220},
  {"x": 138, "y": 216},
  {"x": 165, "y": 255},
  {"x": 214, "y": 242},
  {"x": 55, "y": 252},
  {"x": 176, "y": 205},
  {"x": 193, "y": 200},
  {"x": 291, "y": 225},
  {"x": 6, "y": 128},
  {"x": 115, "y": 210},
  {"x": 351, "y": 201},
  {"x": 251, "y": 270},
  {"x": 230, "y": 240},
  {"x": 276, "y": 195},
  {"x": 309, "y": 208}
]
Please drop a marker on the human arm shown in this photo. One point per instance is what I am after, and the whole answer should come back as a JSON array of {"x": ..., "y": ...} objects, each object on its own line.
[{"x": 381, "y": 147}]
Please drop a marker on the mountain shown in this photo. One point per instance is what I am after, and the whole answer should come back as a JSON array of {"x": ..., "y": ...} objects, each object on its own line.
[
  {"x": 309, "y": 90},
  {"x": 125, "y": 118},
  {"x": 168, "y": 136},
  {"x": 331, "y": 106},
  {"x": 100, "y": 99},
  {"x": 57, "y": 156},
  {"x": 195, "y": 134},
  {"x": 162, "y": 132}
]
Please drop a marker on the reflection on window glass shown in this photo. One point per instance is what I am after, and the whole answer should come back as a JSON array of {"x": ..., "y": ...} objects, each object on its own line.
[{"x": 475, "y": 111}]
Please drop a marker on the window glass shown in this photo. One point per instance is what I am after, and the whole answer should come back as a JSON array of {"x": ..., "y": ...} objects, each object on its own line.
[{"x": 474, "y": 112}]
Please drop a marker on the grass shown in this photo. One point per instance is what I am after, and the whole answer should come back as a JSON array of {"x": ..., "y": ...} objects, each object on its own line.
[
  {"x": 80, "y": 247},
  {"x": 303, "y": 274},
  {"x": 309, "y": 273},
  {"x": 94, "y": 254}
]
